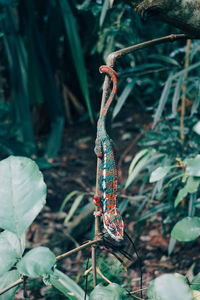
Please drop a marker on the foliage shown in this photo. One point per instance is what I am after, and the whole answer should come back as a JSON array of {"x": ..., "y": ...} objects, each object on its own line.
[
  {"x": 24, "y": 192},
  {"x": 33, "y": 72},
  {"x": 169, "y": 286}
]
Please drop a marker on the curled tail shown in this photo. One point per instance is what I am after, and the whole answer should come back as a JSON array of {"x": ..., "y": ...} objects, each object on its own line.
[{"x": 113, "y": 76}]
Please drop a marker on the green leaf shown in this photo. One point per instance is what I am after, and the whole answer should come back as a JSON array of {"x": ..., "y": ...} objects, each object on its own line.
[
  {"x": 163, "y": 100},
  {"x": 140, "y": 165},
  {"x": 5, "y": 280},
  {"x": 159, "y": 173},
  {"x": 76, "y": 51},
  {"x": 137, "y": 157},
  {"x": 74, "y": 207},
  {"x": 186, "y": 70},
  {"x": 181, "y": 195},
  {"x": 112, "y": 291},
  {"x": 22, "y": 193},
  {"x": 122, "y": 98},
  {"x": 187, "y": 229},
  {"x": 17, "y": 60},
  {"x": 191, "y": 187},
  {"x": 156, "y": 209},
  {"x": 67, "y": 198},
  {"x": 176, "y": 96},
  {"x": 11, "y": 249},
  {"x": 67, "y": 286},
  {"x": 37, "y": 262},
  {"x": 168, "y": 287},
  {"x": 195, "y": 284},
  {"x": 104, "y": 12},
  {"x": 196, "y": 128},
  {"x": 193, "y": 166}
]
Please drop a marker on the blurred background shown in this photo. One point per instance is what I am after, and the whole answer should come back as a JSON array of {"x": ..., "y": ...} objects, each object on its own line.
[{"x": 50, "y": 95}]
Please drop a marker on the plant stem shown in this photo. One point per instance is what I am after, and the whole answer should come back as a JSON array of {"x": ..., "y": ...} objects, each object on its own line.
[
  {"x": 111, "y": 60},
  {"x": 183, "y": 98},
  {"x": 12, "y": 285},
  {"x": 94, "y": 270},
  {"x": 90, "y": 243},
  {"x": 21, "y": 280}
]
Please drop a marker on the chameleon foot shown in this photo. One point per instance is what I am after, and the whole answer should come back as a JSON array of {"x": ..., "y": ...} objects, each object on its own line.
[{"x": 97, "y": 200}]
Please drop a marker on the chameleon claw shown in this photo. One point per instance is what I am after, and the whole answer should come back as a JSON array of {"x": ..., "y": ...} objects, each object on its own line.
[
  {"x": 98, "y": 213},
  {"x": 97, "y": 200},
  {"x": 100, "y": 155}
]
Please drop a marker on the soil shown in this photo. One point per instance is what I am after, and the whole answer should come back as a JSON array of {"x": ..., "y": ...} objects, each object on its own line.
[{"x": 75, "y": 170}]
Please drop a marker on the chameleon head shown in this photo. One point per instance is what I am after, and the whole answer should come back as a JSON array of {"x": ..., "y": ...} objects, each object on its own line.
[{"x": 114, "y": 224}]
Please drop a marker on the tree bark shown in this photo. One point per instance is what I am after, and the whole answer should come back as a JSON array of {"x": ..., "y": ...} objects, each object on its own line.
[{"x": 183, "y": 14}]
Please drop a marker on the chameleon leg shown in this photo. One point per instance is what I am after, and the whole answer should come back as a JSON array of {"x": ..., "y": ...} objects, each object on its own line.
[
  {"x": 97, "y": 202},
  {"x": 98, "y": 149}
]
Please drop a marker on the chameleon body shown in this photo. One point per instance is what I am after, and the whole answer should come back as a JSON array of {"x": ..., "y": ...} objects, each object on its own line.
[{"x": 106, "y": 197}]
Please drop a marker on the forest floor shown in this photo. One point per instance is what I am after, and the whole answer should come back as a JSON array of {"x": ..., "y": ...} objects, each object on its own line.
[{"x": 75, "y": 170}]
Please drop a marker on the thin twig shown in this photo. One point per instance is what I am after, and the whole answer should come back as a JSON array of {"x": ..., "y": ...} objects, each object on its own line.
[
  {"x": 102, "y": 276},
  {"x": 21, "y": 280},
  {"x": 111, "y": 59},
  {"x": 94, "y": 268},
  {"x": 88, "y": 271},
  {"x": 90, "y": 243},
  {"x": 12, "y": 285}
]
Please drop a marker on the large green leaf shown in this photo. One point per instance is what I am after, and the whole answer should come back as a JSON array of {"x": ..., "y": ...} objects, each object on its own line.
[
  {"x": 22, "y": 193},
  {"x": 67, "y": 286},
  {"x": 5, "y": 280},
  {"x": 76, "y": 51},
  {"x": 37, "y": 262},
  {"x": 11, "y": 249},
  {"x": 112, "y": 291},
  {"x": 187, "y": 229},
  {"x": 190, "y": 187},
  {"x": 193, "y": 166},
  {"x": 169, "y": 287},
  {"x": 159, "y": 173}
]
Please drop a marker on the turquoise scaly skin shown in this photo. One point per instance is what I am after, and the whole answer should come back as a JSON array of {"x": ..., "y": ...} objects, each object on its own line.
[{"x": 106, "y": 197}]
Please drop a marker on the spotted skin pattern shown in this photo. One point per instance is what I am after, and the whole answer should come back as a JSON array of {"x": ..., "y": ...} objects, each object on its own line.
[{"x": 106, "y": 197}]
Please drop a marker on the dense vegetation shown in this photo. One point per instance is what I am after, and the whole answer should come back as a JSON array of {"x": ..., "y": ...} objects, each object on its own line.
[{"x": 49, "y": 79}]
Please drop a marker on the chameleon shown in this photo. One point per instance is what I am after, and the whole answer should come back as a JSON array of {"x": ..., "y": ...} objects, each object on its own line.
[{"x": 107, "y": 181}]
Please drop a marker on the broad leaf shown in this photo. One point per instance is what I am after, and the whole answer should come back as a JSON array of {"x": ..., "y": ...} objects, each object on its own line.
[
  {"x": 190, "y": 187},
  {"x": 193, "y": 166},
  {"x": 168, "y": 287},
  {"x": 11, "y": 249},
  {"x": 37, "y": 262},
  {"x": 159, "y": 173},
  {"x": 5, "y": 280},
  {"x": 112, "y": 291},
  {"x": 22, "y": 193},
  {"x": 187, "y": 229},
  {"x": 67, "y": 286}
]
